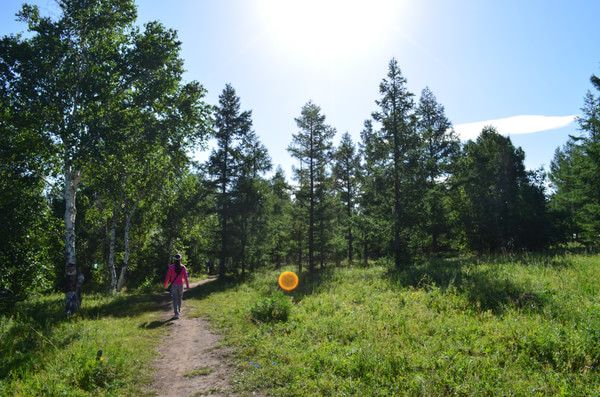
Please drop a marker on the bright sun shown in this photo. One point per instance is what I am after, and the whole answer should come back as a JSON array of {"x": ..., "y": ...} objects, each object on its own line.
[{"x": 326, "y": 30}]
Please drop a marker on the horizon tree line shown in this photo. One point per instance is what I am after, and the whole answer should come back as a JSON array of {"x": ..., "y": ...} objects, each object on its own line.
[{"x": 98, "y": 184}]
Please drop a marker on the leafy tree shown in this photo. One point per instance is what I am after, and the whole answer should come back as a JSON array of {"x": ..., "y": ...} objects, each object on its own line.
[
  {"x": 86, "y": 69},
  {"x": 30, "y": 236},
  {"x": 64, "y": 72},
  {"x": 311, "y": 145}
]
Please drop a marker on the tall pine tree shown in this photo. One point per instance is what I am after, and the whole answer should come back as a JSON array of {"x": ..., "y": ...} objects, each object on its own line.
[
  {"x": 346, "y": 172},
  {"x": 440, "y": 149},
  {"x": 396, "y": 115},
  {"x": 311, "y": 145},
  {"x": 231, "y": 126},
  {"x": 575, "y": 174}
]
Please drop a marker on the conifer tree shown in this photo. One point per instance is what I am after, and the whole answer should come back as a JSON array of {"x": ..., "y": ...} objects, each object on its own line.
[
  {"x": 231, "y": 126},
  {"x": 346, "y": 172},
  {"x": 402, "y": 143},
  {"x": 440, "y": 149},
  {"x": 575, "y": 174},
  {"x": 311, "y": 145},
  {"x": 280, "y": 220},
  {"x": 250, "y": 195}
]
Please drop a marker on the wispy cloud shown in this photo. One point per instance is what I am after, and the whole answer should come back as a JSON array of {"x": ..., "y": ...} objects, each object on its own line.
[{"x": 523, "y": 124}]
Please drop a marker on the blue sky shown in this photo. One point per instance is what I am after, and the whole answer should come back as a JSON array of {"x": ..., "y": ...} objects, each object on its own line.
[{"x": 483, "y": 60}]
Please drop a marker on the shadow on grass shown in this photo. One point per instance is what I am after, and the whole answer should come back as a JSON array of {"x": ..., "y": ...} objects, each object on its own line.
[
  {"x": 550, "y": 259},
  {"x": 212, "y": 286},
  {"x": 310, "y": 283},
  {"x": 156, "y": 324},
  {"x": 485, "y": 288},
  {"x": 25, "y": 329},
  {"x": 127, "y": 306}
]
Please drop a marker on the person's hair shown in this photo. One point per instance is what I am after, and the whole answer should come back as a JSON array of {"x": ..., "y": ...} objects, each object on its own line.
[{"x": 177, "y": 263}]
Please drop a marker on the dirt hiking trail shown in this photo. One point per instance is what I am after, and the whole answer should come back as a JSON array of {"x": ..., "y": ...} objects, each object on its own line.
[{"x": 190, "y": 361}]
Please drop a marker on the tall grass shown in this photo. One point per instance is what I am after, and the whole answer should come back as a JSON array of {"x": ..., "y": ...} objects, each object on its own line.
[
  {"x": 43, "y": 353},
  {"x": 527, "y": 325}
]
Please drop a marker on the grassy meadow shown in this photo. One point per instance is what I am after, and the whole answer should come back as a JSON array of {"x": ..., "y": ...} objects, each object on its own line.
[
  {"x": 45, "y": 354},
  {"x": 499, "y": 326}
]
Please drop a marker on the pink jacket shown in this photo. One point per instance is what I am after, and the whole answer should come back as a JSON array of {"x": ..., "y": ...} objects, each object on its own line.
[{"x": 178, "y": 280}]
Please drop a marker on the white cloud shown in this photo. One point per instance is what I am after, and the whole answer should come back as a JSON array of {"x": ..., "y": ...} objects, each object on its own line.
[{"x": 523, "y": 124}]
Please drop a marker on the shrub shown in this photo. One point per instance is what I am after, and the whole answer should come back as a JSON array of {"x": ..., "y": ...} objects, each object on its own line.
[{"x": 276, "y": 307}]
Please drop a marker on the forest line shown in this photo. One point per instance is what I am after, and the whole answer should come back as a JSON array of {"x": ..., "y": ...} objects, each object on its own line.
[{"x": 97, "y": 182}]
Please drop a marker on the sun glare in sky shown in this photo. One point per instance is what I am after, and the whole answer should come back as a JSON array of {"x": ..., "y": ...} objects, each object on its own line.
[{"x": 327, "y": 30}]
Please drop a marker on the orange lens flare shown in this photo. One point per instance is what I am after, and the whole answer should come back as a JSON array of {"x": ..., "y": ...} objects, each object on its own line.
[{"x": 288, "y": 281}]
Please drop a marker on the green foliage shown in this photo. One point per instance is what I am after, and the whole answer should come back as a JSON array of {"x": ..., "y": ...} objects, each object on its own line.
[
  {"x": 235, "y": 167},
  {"x": 103, "y": 101},
  {"x": 311, "y": 146},
  {"x": 511, "y": 325},
  {"x": 346, "y": 173},
  {"x": 502, "y": 207},
  {"x": 280, "y": 219},
  {"x": 399, "y": 145},
  {"x": 272, "y": 308},
  {"x": 441, "y": 148},
  {"x": 574, "y": 174}
]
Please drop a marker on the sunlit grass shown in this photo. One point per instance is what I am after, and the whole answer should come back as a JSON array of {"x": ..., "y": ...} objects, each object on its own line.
[
  {"x": 45, "y": 354},
  {"x": 501, "y": 326}
]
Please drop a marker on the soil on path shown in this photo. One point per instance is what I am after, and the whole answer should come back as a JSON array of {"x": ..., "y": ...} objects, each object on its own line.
[{"x": 190, "y": 361}]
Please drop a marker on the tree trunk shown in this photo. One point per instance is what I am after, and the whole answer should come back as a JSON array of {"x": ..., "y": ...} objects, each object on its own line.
[
  {"x": 74, "y": 276},
  {"x": 127, "y": 248},
  {"x": 243, "y": 256},
  {"x": 111, "y": 253}
]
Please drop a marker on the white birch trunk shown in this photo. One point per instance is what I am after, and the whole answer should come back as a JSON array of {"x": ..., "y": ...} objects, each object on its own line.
[
  {"x": 111, "y": 254},
  {"x": 122, "y": 275},
  {"x": 74, "y": 277}
]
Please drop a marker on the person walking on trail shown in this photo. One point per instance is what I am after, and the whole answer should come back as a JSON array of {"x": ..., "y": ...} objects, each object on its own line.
[{"x": 176, "y": 275}]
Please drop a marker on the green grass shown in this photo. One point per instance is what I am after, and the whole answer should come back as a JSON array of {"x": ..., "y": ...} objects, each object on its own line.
[
  {"x": 501, "y": 326},
  {"x": 46, "y": 354},
  {"x": 202, "y": 371}
]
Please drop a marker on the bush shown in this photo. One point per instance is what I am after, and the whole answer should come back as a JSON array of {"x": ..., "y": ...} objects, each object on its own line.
[{"x": 276, "y": 307}]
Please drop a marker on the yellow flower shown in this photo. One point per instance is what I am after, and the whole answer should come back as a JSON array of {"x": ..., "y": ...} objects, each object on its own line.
[{"x": 288, "y": 281}]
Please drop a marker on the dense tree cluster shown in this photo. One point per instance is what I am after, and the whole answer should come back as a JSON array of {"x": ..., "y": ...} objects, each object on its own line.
[{"x": 98, "y": 182}]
